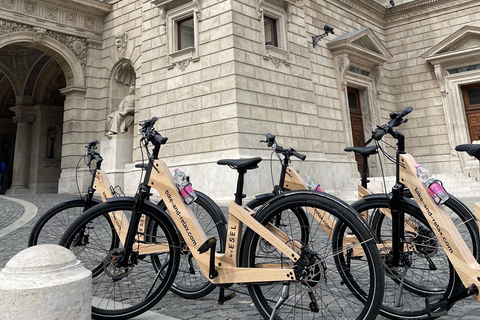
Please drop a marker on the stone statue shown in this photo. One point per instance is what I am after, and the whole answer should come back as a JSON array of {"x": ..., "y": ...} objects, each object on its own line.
[{"x": 119, "y": 121}]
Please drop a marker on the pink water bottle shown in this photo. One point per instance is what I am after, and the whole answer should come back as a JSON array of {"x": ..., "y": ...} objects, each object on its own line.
[
  {"x": 434, "y": 187},
  {"x": 184, "y": 186},
  {"x": 311, "y": 184}
]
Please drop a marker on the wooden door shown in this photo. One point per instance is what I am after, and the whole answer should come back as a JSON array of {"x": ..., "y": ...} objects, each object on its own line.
[
  {"x": 471, "y": 99},
  {"x": 356, "y": 123}
]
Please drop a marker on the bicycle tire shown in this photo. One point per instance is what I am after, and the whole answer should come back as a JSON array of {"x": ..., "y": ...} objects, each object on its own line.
[
  {"x": 423, "y": 278},
  {"x": 323, "y": 279},
  {"x": 190, "y": 282},
  {"x": 301, "y": 216},
  {"x": 53, "y": 223},
  {"x": 123, "y": 292}
]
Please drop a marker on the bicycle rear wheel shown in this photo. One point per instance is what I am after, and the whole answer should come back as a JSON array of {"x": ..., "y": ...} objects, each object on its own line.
[
  {"x": 190, "y": 282},
  {"x": 122, "y": 292},
  {"x": 427, "y": 271},
  {"x": 318, "y": 291}
]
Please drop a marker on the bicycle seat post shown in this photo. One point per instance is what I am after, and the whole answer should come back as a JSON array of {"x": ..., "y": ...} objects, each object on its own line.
[
  {"x": 364, "y": 180},
  {"x": 240, "y": 181}
]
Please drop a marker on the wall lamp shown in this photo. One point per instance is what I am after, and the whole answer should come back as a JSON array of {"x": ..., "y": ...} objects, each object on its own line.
[{"x": 328, "y": 29}]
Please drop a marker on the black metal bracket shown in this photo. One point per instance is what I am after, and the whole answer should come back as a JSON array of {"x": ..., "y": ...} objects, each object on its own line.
[{"x": 316, "y": 39}]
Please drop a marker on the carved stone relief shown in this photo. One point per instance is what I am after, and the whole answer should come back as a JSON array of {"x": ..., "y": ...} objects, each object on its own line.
[
  {"x": 51, "y": 13},
  {"x": 343, "y": 64},
  {"x": 125, "y": 74},
  {"x": 9, "y": 27},
  {"x": 89, "y": 23},
  {"x": 378, "y": 77},
  {"x": 121, "y": 44},
  {"x": 30, "y": 7},
  {"x": 71, "y": 18},
  {"x": 7, "y": 4},
  {"x": 76, "y": 44},
  {"x": 38, "y": 34}
]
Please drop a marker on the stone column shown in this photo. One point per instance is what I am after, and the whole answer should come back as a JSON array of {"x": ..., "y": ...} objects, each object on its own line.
[{"x": 21, "y": 161}]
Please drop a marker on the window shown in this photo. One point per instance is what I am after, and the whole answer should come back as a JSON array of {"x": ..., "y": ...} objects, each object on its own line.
[
  {"x": 185, "y": 33},
  {"x": 273, "y": 24},
  {"x": 270, "y": 27}
]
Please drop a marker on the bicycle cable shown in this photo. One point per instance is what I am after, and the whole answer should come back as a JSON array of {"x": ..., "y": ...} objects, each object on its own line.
[{"x": 76, "y": 175}]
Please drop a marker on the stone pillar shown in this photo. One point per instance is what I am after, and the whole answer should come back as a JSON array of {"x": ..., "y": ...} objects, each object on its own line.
[
  {"x": 45, "y": 282},
  {"x": 21, "y": 161}
]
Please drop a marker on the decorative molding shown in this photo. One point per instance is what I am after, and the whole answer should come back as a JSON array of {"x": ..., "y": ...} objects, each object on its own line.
[
  {"x": 420, "y": 8},
  {"x": 93, "y": 43},
  {"x": 343, "y": 62},
  {"x": 23, "y": 119},
  {"x": 260, "y": 5},
  {"x": 440, "y": 74},
  {"x": 9, "y": 27},
  {"x": 378, "y": 77},
  {"x": 121, "y": 44}
]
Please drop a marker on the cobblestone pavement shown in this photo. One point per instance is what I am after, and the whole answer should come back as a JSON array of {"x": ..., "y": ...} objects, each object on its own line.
[{"x": 171, "y": 306}]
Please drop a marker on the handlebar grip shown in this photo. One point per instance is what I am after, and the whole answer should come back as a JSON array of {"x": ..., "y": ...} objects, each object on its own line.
[
  {"x": 406, "y": 111},
  {"x": 159, "y": 139},
  {"x": 298, "y": 155}
]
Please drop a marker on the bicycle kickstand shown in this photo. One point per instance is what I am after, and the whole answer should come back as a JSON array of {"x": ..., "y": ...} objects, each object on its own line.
[{"x": 281, "y": 301}]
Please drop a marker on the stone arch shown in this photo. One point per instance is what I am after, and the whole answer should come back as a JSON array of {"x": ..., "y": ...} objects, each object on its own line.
[{"x": 67, "y": 60}]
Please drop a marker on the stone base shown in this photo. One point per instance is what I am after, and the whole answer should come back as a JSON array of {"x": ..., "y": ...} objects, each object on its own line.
[
  {"x": 18, "y": 190},
  {"x": 116, "y": 152}
]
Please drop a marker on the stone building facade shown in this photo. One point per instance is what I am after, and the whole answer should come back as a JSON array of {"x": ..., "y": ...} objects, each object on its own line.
[{"x": 220, "y": 74}]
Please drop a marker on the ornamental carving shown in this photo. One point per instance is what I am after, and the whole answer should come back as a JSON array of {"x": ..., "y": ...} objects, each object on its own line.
[
  {"x": 276, "y": 61},
  {"x": 89, "y": 23},
  {"x": 378, "y": 77},
  {"x": 121, "y": 44},
  {"x": 51, "y": 13},
  {"x": 38, "y": 34},
  {"x": 71, "y": 18},
  {"x": 343, "y": 64},
  {"x": 7, "y": 4},
  {"x": 77, "y": 45},
  {"x": 30, "y": 7},
  {"x": 9, "y": 27},
  {"x": 182, "y": 65}
]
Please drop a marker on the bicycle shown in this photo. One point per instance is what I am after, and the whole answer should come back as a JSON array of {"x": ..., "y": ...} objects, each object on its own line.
[
  {"x": 422, "y": 280},
  {"x": 285, "y": 277},
  {"x": 190, "y": 283}
]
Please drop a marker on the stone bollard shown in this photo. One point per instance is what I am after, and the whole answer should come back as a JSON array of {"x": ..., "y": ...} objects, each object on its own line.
[{"x": 45, "y": 282}]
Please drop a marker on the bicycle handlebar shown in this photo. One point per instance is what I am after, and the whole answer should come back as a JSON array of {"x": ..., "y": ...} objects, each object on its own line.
[
  {"x": 92, "y": 155},
  {"x": 270, "y": 141},
  {"x": 150, "y": 134},
  {"x": 396, "y": 119}
]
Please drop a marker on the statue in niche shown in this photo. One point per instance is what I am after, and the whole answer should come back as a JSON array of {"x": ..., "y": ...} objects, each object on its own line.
[{"x": 119, "y": 120}]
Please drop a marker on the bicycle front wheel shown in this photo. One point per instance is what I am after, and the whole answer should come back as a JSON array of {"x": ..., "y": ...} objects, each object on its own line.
[
  {"x": 318, "y": 291},
  {"x": 426, "y": 270},
  {"x": 122, "y": 291},
  {"x": 53, "y": 223}
]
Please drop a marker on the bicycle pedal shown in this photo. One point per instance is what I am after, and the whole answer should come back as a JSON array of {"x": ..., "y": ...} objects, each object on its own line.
[
  {"x": 436, "y": 306},
  {"x": 207, "y": 245}
]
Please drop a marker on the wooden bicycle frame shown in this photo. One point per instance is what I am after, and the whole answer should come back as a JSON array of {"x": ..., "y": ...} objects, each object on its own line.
[
  {"x": 447, "y": 234},
  {"x": 118, "y": 218},
  {"x": 226, "y": 264}
]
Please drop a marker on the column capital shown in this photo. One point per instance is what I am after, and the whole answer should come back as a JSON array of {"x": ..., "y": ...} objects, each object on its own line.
[{"x": 23, "y": 119}]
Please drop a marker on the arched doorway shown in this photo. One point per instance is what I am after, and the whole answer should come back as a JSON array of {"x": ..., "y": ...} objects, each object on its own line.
[{"x": 31, "y": 105}]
